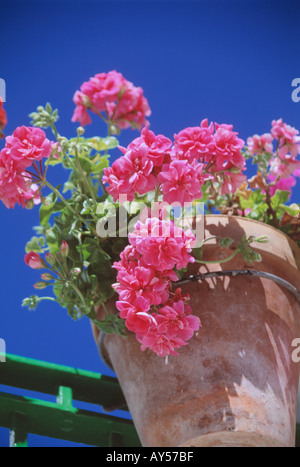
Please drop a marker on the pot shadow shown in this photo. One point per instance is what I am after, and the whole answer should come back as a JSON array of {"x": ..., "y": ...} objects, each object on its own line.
[{"x": 248, "y": 354}]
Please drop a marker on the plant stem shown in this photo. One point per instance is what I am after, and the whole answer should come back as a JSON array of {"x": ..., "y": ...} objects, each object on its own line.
[
  {"x": 85, "y": 179},
  {"x": 59, "y": 195},
  {"x": 75, "y": 288},
  {"x": 271, "y": 210},
  {"x": 157, "y": 193},
  {"x": 220, "y": 261},
  {"x": 48, "y": 298},
  {"x": 53, "y": 128}
]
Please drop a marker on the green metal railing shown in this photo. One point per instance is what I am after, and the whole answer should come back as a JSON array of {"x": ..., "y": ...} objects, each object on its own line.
[{"x": 60, "y": 419}]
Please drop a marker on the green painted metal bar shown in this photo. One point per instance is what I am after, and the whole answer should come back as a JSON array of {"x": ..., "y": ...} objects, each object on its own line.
[
  {"x": 36, "y": 375},
  {"x": 61, "y": 422},
  {"x": 18, "y": 433}
]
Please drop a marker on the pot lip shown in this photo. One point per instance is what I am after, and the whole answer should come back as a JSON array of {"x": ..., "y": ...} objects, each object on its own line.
[{"x": 246, "y": 219}]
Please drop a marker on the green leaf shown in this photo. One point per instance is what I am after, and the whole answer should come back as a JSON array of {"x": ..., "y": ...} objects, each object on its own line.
[
  {"x": 50, "y": 208},
  {"x": 279, "y": 199},
  {"x": 87, "y": 207},
  {"x": 263, "y": 160},
  {"x": 36, "y": 244},
  {"x": 53, "y": 239},
  {"x": 256, "y": 203},
  {"x": 292, "y": 210},
  {"x": 68, "y": 186},
  {"x": 31, "y": 302},
  {"x": 91, "y": 167},
  {"x": 86, "y": 164},
  {"x": 104, "y": 144},
  {"x": 247, "y": 252},
  {"x": 55, "y": 160},
  {"x": 102, "y": 164},
  {"x": 225, "y": 242},
  {"x": 112, "y": 324}
]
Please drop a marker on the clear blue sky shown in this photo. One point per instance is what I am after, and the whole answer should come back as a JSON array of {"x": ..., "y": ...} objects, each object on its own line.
[{"x": 229, "y": 61}]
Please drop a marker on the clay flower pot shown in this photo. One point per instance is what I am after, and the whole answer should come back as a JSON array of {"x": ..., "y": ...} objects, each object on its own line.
[{"x": 235, "y": 384}]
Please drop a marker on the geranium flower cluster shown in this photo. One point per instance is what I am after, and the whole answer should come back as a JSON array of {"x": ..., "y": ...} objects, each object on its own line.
[
  {"x": 210, "y": 152},
  {"x": 114, "y": 97},
  {"x": 25, "y": 147},
  {"x": 283, "y": 142},
  {"x": 161, "y": 319},
  {"x": 3, "y": 118}
]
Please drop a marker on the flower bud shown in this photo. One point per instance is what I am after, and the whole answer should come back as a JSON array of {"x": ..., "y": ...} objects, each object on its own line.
[
  {"x": 263, "y": 239},
  {"x": 65, "y": 249},
  {"x": 114, "y": 130},
  {"x": 47, "y": 277},
  {"x": 40, "y": 285},
  {"x": 29, "y": 204},
  {"x": 75, "y": 272},
  {"x": 50, "y": 258},
  {"x": 80, "y": 131},
  {"x": 34, "y": 261}
]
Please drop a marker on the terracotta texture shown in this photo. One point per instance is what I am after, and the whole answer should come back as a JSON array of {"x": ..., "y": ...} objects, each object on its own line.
[{"x": 235, "y": 384}]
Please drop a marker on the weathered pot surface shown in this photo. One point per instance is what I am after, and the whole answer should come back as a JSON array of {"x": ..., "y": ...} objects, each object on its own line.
[{"x": 235, "y": 384}]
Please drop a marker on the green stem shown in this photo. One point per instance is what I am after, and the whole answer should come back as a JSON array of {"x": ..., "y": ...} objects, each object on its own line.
[
  {"x": 105, "y": 153},
  {"x": 55, "y": 132},
  {"x": 210, "y": 238},
  {"x": 105, "y": 308},
  {"x": 59, "y": 195},
  {"x": 51, "y": 299},
  {"x": 220, "y": 261},
  {"x": 157, "y": 193},
  {"x": 85, "y": 179},
  {"x": 75, "y": 288}
]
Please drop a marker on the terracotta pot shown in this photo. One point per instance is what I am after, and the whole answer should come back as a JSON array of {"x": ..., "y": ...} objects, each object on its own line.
[{"x": 235, "y": 384}]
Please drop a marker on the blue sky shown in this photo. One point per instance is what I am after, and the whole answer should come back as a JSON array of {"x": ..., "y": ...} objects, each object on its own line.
[{"x": 230, "y": 62}]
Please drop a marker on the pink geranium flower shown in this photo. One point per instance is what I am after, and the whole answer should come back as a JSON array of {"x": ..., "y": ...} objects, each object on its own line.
[
  {"x": 287, "y": 136},
  {"x": 113, "y": 96},
  {"x": 194, "y": 142},
  {"x": 15, "y": 187},
  {"x": 283, "y": 171},
  {"x": 177, "y": 321},
  {"x": 117, "y": 179},
  {"x": 81, "y": 115},
  {"x": 259, "y": 144},
  {"x": 283, "y": 184},
  {"x": 26, "y": 145},
  {"x": 284, "y": 168},
  {"x": 297, "y": 173},
  {"x": 226, "y": 147},
  {"x": 129, "y": 259},
  {"x": 158, "y": 146},
  {"x": 181, "y": 182},
  {"x": 232, "y": 182},
  {"x": 131, "y": 174},
  {"x": 160, "y": 344},
  {"x": 138, "y": 320},
  {"x": 141, "y": 282},
  {"x": 162, "y": 244},
  {"x": 141, "y": 304}
]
